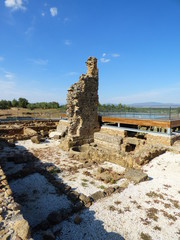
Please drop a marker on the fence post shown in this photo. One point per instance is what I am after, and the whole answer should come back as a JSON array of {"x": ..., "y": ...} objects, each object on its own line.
[{"x": 169, "y": 113}]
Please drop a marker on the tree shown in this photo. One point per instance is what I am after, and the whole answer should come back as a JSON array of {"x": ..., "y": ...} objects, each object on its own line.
[
  {"x": 4, "y": 104},
  {"x": 23, "y": 102},
  {"x": 14, "y": 103}
]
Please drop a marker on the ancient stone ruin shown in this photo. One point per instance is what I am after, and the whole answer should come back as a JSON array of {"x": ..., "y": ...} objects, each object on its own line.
[{"x": 82, "y": 103}]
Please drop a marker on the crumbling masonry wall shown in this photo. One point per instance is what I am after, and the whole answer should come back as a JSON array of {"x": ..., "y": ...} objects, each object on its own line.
[{"x": 82, "y": 103}]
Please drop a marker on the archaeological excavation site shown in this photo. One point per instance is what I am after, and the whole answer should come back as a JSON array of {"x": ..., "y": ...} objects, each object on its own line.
[{"x": 89, "y": 176}]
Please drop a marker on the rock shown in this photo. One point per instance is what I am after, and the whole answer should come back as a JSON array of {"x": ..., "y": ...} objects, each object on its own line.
[
  {"x": 29, "y": 131},
  {"x": 36, "y": 139},
  {"x": 8, "y": 193},
  {"x": 97, "y": 195},
  {"x": 73, "y": 196},
  {"x": 54, "y": 217},
  {"x": 77, "y": 219},
  {"x": 100, "y": 170},
  {"x": 22, "y": 230},
  {"x": 57, "y": 137},
  {"x": 54, "y": 135},
  {"x": 108, "y": 191},
  {"x": 48, "y": 235},
  {"x": 104, "y": 176},
  {"x": 124, "y": 184},
  {"x": 44, "y": 133},
  {"x": 44, "y": 225},
  {"x": 65, "y": 212},
  {"x": 14, "y": 206},
  {"x": 77, "y": 207},
  {"x": 84, "y": 199},
  {"x": 135, "y": 175}
]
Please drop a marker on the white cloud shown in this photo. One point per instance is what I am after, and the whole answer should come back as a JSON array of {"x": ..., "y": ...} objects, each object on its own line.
[
  {"x": 1, "y": 59},
  {"x": 53, "y": 11},
  {"x": 67, "y": 42},
  {"x": 39, "y": 61},
  {"x": 9, "y": 75},
  {"x": 115, "y": 55},
  {"x": 15, "y": 4},
  {"x": 104, "y": 54},
  {"x": 42, "y": 14},
  {"x": 105, "y": 60}
]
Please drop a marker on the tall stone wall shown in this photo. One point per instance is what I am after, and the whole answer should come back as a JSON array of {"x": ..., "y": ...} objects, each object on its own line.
[{"x": 82, "y": 103}]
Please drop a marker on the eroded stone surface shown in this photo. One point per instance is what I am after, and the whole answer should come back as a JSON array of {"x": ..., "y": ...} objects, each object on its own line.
[{"x": 82, "y": 103}]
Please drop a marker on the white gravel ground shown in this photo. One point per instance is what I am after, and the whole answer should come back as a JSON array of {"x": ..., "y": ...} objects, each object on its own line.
[
  {"x": 130, "y": 217},
  {"x": 151, "y": 208},
  {"x": 40, "y": 198}
]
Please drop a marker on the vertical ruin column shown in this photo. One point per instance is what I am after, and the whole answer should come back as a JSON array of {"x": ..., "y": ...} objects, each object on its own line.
[{"x": 82, "y": 103}]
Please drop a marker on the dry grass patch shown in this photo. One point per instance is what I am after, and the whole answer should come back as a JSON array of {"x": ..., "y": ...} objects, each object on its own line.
[
  {"x": 84, "y": 184},
  {"x": 175, "y": 203},
  {"x": 117, "y": 202},
  {"x": 169, "y": 216},
  {"x": 152, "y": 213},
  {"x": 167, "y": 205},
  {"x": 145, "y": 221},
  {"x": 157, "y": 228},
  {"x": 153, "y": 194},
  {"x": 145, "y": 236},
  {"x": 112, "y": 208}
]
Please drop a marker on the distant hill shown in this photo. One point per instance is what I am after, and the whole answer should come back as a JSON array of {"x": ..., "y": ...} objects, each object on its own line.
[{"x": 154, "y": 105}]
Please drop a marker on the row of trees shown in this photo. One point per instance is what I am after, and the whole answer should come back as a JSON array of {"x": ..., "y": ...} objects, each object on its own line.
[
  {"x": 114, "y": 108},
  {"x": 24, "y": 103},
  {"x": 21, "y": 102}
]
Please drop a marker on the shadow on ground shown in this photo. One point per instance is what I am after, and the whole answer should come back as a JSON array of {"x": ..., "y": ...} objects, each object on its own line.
[{"x": 46, "y": 202}]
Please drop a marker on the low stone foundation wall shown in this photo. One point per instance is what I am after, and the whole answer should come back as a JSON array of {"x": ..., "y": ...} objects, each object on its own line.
[
  {"x": 62, "y": 126},
  {"x": 163, "y": 140},
  {"x": 108, "y": 141},
  {"x": 9, "y": 209},
  {"x": 113, "y": 131}
]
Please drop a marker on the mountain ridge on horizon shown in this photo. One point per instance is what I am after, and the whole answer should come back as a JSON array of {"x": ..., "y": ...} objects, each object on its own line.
[{"x": 154, "y": 104}]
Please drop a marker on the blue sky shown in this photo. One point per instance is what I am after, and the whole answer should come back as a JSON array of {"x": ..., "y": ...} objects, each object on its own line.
[{"x": 44, "y": 46}]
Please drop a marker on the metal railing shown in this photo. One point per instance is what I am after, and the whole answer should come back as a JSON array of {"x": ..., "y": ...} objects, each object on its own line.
[
  {"x": 138, "y": 113},
  {"x": 147, "y": 113}
]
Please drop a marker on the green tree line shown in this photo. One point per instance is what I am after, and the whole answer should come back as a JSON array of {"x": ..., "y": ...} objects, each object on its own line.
[
  {"x": 114, "y": 108},
  {"x": 24, "y": 103}
]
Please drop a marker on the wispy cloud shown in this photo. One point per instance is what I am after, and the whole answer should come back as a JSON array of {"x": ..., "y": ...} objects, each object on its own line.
[
  {"x": 53, "y": 11},
  {"x": 15, "y": 4},
  {"x": 43, "y": 14},
  {"x": 107, "y": 57},
  {"x": 6, "y": 74},
  {"x": 105, "y": 60},
  {"x": 115, "y": 55},
  {"x": 67, "y": 42},
  {"x": 30, "y": 30},
  {"x": 1, "y": 58},
  {"x": 9, "y": 75},
  {"x": 39, "y": 61}
]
